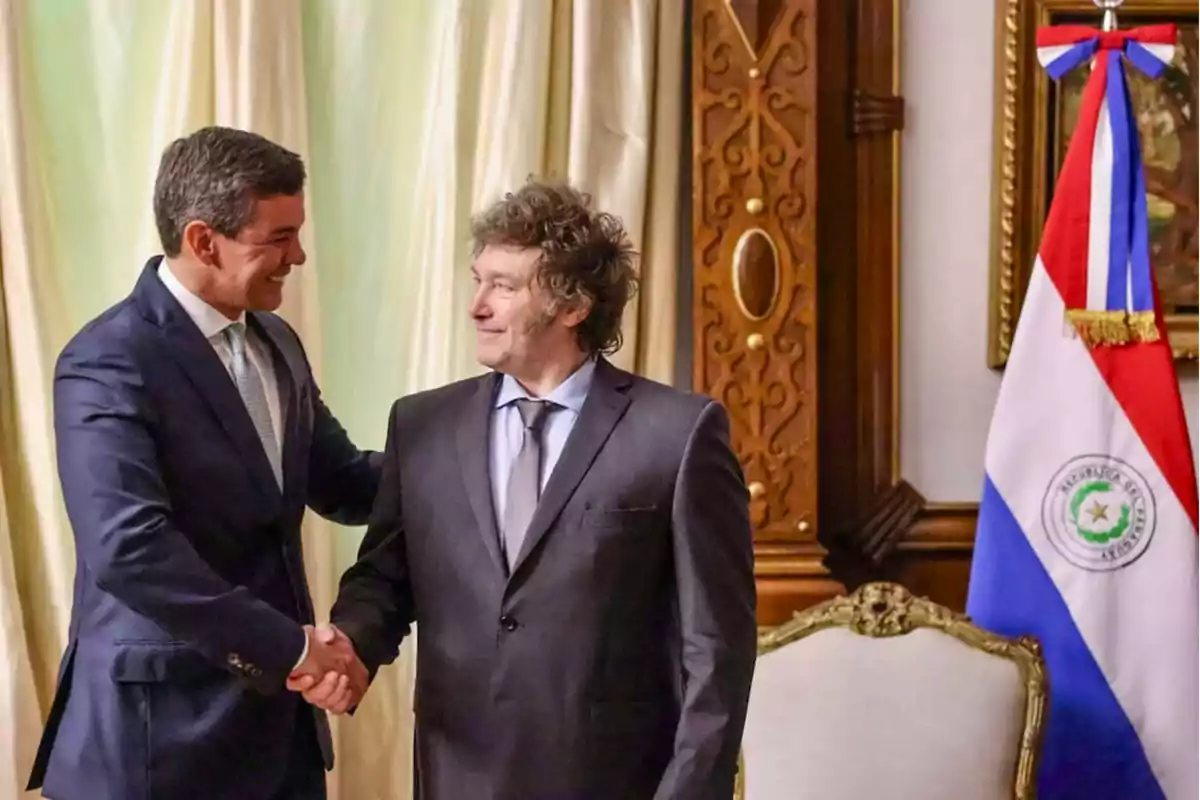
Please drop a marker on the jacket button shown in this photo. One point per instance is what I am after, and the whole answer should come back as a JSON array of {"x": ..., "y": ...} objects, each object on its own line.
[{"x": 508, "y": 623}]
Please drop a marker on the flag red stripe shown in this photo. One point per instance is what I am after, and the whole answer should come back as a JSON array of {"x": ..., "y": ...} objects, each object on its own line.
[
  {"x": 1143, "y": 380},
  {"x": 1056, "y": 35},
  {"x": 1154, "y": 34},
  {"x": 1064, "y": 246}
]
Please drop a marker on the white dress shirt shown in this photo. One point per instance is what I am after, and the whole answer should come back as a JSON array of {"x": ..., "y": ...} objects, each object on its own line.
[
  {"x": 508, "y": 431},
  {"x": 212, "y": 324}
]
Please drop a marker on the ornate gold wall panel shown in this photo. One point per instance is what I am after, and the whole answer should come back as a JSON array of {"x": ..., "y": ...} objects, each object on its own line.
[
  {"x": 754, "y": 170},
  {"x": 795, "y": 220}
]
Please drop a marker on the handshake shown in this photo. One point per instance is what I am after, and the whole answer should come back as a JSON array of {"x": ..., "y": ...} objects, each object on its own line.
[{"x": 331, "y": 676}]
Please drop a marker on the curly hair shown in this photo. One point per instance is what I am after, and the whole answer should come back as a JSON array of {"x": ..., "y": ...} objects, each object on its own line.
[{"x": 586, "y": 254}]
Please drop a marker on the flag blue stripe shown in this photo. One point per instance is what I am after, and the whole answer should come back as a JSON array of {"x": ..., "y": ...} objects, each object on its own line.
[
  {"x": 1143, "y": 59},
  {"x": 1070, "y": 59},
  {"x": 1091, "y": 751},
  {"x": 1143, "y": 293},
  {"x": 1117, "y": 296}
]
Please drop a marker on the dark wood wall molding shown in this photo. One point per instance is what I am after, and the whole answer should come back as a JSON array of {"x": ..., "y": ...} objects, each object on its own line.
[{"x": 796, "y": 114}]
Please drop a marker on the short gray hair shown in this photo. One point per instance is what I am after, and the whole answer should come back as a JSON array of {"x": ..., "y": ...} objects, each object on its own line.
[{"x": 214, "y": 175}]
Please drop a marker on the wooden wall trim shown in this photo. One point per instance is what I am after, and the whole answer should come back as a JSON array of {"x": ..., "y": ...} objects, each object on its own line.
[
  {"x": 754, "y": 215},
  {"x": 943, "y": 527},
  {"x": 795, "y": 204}
]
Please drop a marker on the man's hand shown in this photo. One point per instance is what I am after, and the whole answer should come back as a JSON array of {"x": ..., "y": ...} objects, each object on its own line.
[{"x": 331, "y": 676}]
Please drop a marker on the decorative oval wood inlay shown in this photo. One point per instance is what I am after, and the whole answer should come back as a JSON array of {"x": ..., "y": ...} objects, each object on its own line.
[{"x": 756, "y": 273}]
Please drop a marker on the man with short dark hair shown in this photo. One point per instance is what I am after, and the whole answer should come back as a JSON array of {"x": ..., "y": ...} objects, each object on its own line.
[
  {"x": 572, "y": 542},
  {"x": 191, "y": 435}
]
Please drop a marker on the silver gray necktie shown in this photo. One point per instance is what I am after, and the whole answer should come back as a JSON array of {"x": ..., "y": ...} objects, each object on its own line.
[
  {"x": 250, "y": 386},
  {"x": 525, "y": 480}
]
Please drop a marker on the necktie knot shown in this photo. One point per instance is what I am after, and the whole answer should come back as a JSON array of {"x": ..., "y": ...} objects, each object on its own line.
[
  {"x": 533, "y": 413},
  {"x": 235, "y": 332}
]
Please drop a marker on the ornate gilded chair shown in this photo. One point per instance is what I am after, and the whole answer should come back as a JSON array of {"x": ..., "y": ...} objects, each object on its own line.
[{"x": 881, "y": 695}]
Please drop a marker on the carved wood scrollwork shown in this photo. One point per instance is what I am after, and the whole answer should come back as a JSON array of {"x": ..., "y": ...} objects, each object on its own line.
[
  {"x": 754, "y": 169},
  {"x": 795, "y": 307}
]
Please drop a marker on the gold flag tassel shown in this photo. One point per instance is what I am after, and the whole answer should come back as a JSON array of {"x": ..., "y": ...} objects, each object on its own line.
[{"x": 1109, "y": 328}]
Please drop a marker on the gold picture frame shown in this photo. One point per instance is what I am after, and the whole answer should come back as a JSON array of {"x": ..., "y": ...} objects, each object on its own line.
[{"x": 1033, "y": 115}]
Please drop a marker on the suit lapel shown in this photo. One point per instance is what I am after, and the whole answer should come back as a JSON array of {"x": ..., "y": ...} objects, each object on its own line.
[
  {"x": 474, "y": 446},
  {"x": 202, "y": 366},
  {"x": 196, "y": 357},
  {"x": 289, "y": 366},
  {"x": 605, "y": 404}
]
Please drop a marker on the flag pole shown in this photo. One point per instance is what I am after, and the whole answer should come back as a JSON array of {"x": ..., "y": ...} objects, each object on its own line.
[{"x": 1109, "y": 7}]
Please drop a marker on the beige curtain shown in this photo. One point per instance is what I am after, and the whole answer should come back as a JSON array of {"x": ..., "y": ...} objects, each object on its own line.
[
  {"x": 598, "y": 88},
  {"x": 411, "y": 116},
  {"x": 19, "y": 711},
  {"x": 33, "y": 521}
]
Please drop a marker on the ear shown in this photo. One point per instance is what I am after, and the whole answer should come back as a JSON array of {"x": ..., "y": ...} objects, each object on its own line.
[
  {"x": 573, "y": 316},
  {"x": 200, "y": 240}
]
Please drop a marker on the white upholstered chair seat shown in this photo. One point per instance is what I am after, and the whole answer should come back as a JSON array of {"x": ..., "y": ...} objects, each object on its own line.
[{"x": 883, "y": 696}]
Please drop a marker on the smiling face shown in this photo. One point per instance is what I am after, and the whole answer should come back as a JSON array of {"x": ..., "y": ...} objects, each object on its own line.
[
  {"x": 518, "y": 330},
  {"x": 246, "y": 272}
]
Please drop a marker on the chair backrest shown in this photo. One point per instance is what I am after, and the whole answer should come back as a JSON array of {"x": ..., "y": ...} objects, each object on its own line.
[{"x": 881, "y": 694}]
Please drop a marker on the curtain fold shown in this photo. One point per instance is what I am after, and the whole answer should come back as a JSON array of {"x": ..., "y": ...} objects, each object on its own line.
[
  {"x": 410, "y": 116},
  {"x": 34, "y": 322},
  {"x": 20, "y": 711}
]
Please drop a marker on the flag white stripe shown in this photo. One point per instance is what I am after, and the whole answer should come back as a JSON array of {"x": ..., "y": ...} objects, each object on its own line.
[
  {"x": 1163, "y": 52},
  {"x": 1046, "y": 55},
  {"x": 1100, "y": 227}
]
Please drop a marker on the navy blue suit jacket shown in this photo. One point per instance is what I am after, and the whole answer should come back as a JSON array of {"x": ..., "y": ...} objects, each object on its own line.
[{"x": 190, "y": 587}]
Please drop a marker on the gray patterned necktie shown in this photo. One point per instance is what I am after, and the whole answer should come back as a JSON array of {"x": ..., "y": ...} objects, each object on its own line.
[
  {"x": 250, "y": 386},
  {"x": 525, "y": 480}
]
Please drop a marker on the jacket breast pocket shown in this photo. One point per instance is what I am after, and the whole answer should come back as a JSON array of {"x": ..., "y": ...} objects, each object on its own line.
[
  {"x": 619, "y": 536},
  {"x": 632, "y": 518}
]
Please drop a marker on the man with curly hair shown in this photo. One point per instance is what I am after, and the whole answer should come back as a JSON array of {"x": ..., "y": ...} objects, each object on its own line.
[{"x": 571, "y": 541}]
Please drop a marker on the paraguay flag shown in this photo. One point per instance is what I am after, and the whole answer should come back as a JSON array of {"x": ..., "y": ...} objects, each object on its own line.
[{"x": 1087, "y": 524}]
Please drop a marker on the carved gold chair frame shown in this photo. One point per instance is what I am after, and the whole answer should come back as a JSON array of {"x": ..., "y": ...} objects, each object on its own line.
[{"x": 882, "y": 610}]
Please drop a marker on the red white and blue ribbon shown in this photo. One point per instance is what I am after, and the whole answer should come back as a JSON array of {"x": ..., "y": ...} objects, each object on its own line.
[{"x": 1102, "y": 186}]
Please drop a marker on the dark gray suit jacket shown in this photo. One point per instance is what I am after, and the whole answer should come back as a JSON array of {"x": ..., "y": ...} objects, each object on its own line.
[{"x": 615, "y": 661}]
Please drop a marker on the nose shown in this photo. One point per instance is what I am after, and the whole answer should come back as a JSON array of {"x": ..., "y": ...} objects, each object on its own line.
[
  {"x": 298, "y": 256},
  {"x": 479, "y": 308}
]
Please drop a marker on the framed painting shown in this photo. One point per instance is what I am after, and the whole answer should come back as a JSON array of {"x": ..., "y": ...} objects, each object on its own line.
[{"x": 1035, "y": 118}]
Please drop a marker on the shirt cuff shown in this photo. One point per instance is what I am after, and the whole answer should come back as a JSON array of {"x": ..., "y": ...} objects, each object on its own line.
[{"x": 303, "y": 653}]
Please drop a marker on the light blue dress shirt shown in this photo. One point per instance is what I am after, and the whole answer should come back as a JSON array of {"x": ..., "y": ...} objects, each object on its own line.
[{"x": 508, "y": 431}]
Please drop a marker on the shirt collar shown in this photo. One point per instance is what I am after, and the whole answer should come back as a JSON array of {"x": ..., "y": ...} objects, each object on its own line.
[
  {"x": 210, "y": 321},
  {"x": 569, "y": 394}
]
